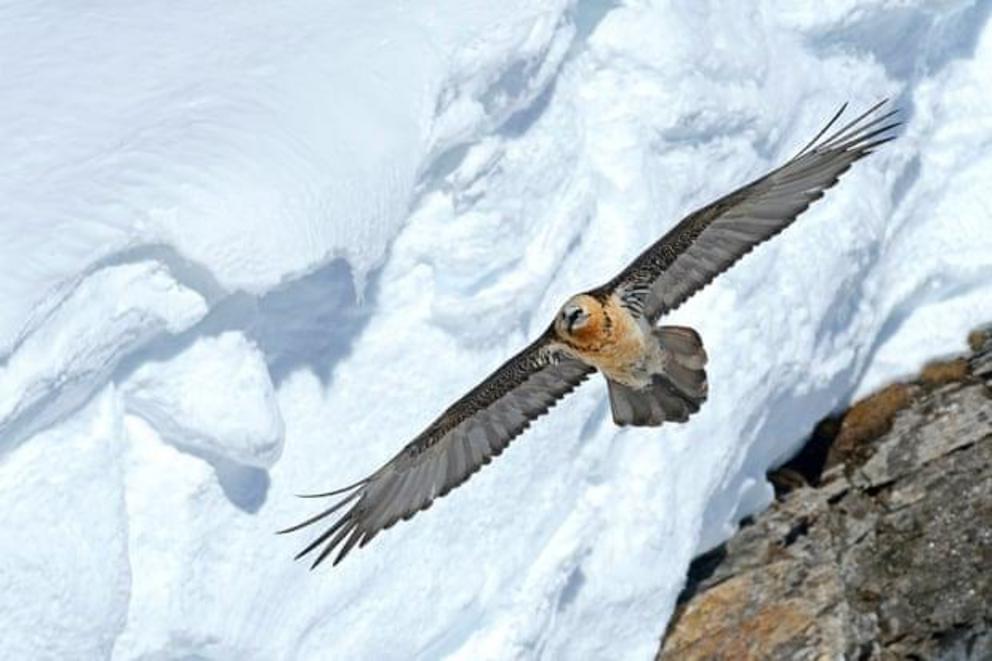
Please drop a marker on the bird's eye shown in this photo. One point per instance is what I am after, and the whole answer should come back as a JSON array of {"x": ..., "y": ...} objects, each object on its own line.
[{"x": 574, "y": 315}]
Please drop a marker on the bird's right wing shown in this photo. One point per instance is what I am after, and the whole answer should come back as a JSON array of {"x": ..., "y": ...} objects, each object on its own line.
[{"x": 464, "y": 438}]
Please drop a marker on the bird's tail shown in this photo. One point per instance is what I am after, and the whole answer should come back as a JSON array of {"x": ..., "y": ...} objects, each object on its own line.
[{"x": 677, "y": 389}]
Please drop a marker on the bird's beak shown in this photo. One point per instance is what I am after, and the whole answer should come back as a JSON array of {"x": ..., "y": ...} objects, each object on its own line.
[{"x": 570, "y": 319}]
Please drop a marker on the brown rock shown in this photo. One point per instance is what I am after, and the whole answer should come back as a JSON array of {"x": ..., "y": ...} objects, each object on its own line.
[
  {"x": 940, "y": 372},
  {"x": 869, "y": 419}
]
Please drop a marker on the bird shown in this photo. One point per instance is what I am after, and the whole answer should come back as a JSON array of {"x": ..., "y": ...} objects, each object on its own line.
[{"x": 654, "y": 374}]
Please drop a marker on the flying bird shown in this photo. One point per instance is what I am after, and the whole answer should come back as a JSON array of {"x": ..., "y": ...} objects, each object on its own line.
[{"x": 654, "y": 373}]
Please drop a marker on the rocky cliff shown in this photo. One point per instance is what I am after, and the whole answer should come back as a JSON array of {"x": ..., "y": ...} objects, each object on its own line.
[{"x": 879, "y": 544}]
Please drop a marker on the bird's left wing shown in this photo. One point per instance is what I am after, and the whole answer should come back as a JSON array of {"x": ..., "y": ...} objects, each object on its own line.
[
  {"x": 468, "y": 435},
  {"x": 709, "y": 241}
]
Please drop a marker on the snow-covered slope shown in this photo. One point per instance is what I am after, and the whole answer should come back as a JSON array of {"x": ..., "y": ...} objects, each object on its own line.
[{"x": 250, "y": 250}]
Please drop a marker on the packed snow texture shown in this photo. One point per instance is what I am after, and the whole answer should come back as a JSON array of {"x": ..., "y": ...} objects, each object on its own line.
[{"x": 250, "y": 250}]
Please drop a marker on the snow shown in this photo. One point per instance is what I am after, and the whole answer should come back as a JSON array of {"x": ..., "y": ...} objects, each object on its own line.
[
  {"x": 76, "y": 344},
  {"x": 251, "y": 251},
  {"x": 65, "y": 573},
  {"x": 167, "y": 393}
]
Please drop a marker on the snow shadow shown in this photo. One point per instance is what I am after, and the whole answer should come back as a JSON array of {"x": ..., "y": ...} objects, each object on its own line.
[
  {"x": 910, "y": 42},
  {"x": 312, "y": 322},
  {"x": 308, "y": 323},
  {"x": 514, "y": 82},
  {"x": 587, "y": 15}
]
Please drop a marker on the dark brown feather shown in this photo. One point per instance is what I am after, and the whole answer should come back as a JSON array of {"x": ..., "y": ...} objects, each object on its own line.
[
  {"x": 709, "y": 241},
  {"x": 465, "y": 437}
]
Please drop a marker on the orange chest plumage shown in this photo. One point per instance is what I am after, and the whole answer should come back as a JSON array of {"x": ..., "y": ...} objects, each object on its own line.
[{"x": 612, "y": 340}]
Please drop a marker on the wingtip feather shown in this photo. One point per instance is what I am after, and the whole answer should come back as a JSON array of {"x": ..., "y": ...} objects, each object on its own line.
[{"x": 336, "y": 492}]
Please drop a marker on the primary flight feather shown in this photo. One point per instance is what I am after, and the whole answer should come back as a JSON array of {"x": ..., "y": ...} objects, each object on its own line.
[{"x": 654, "y": 374}]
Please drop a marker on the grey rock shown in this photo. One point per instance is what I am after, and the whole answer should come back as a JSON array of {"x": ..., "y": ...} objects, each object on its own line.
[
  {"x": 888, "y": 556},
  {"x": 981, "y": 359}
]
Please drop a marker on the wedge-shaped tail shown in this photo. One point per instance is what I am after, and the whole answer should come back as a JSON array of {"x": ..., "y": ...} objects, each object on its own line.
[{"x": 677, "y": 389}]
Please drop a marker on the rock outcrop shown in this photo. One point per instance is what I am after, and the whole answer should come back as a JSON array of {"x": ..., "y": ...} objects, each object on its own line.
[{"x": 879, "y": 545}]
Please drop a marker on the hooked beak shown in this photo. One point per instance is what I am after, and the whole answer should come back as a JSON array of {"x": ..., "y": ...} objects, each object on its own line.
[{"x": 571, "y": 317}]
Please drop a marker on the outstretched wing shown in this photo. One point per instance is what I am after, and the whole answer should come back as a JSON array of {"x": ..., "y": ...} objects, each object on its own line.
[
  {"x": 469, "y": 434},
  {"x": 709, "y": 241}
]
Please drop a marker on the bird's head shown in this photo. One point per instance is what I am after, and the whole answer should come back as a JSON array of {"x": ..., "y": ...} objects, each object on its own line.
[{"x": 578, "y": 318}]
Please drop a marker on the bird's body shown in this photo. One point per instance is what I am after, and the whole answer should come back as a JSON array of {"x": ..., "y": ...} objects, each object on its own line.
[{"x": 654, "y": 373}]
